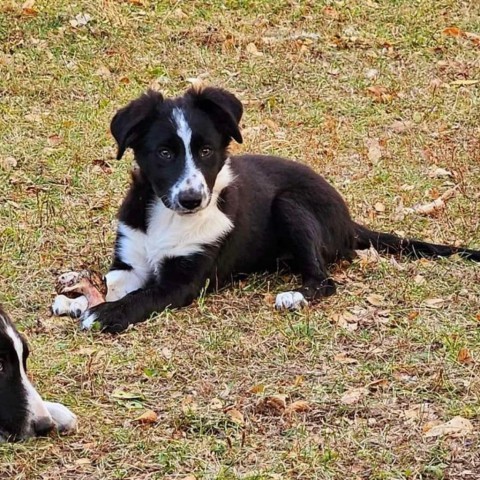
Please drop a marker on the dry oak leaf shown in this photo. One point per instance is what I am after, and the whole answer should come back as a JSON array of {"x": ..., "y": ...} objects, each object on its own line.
[
  {"x": 374, "y": 149},
  {"x": 354, "y": 395},
  {"x": 236, "y": 416},
  {"x": 464, "y": 356},
  {"x": 452, "y": 32},
  {"x": 147, "y": 417},
  {"x": 298, "y": 406},
  {"x": 456, "y": 427},
  {"x": 376, "y": 300},
  {"x": 253, "y": 50}
]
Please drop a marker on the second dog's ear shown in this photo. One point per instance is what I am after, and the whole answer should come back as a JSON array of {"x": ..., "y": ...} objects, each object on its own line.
[
  {"x": 129, "y": 122},
  {"x": 224, "y": 108}
]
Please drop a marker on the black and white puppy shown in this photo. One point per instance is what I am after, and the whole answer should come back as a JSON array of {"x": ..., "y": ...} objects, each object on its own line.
[
  {"x": 195, "y": 216},
  {"x": 23, "y": 413}
]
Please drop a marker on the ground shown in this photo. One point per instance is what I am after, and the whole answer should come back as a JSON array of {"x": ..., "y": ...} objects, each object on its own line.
[{"x": 382, "y": 98}]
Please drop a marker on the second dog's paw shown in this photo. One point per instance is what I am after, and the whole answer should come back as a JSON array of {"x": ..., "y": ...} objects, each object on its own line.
[
  {"x": 74, "y": 307},
  {"x": 65, "y": 421},
  {"x": 290, "y": 301}
]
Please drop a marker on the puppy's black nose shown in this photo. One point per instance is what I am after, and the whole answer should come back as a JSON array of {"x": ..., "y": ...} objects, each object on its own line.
[
  {"x": 190, "y": 199},
  {"x": 43, "y": 426}
]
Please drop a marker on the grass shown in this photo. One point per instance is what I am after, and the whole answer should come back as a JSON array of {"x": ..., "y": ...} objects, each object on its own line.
[{"x": 306, "y": 96}]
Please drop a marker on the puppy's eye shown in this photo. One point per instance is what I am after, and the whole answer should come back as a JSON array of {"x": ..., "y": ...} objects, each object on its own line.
[
  {"x": 1, "y": 367},
  {"x": 165, "y": 153},
  {"x": 206, "y": 151}
]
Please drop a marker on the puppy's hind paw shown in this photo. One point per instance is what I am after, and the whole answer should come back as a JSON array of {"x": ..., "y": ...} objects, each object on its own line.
[{"x": 290, "y": 301}]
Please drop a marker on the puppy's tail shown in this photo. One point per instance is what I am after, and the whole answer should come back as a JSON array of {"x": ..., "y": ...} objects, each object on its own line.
[{"x": 385, "y": 242}]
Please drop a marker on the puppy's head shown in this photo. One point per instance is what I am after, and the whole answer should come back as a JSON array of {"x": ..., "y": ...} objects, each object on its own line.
[
  {"x": 23, "y": 413},
  {"x": 180, "y": 144}
]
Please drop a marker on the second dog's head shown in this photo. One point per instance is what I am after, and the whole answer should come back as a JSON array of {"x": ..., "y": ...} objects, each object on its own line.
[
  {"x": 180, "y": 144},
  {"x": 23, "y": 413}
]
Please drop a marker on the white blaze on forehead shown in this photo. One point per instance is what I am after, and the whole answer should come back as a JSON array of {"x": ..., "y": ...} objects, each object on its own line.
[
  {"x": 192, "y": 178},
  {"x": 35, "y": 404}
]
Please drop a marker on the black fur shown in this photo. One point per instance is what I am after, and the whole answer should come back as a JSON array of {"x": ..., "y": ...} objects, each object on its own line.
[
  {"x": 13, "y": 403},
  {"x": 279, "y": 209}
]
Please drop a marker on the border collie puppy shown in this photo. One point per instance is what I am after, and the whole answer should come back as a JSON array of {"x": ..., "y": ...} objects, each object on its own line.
[
  {"x": 23, "y": 413},
  {"x": 195, "y": 216}
]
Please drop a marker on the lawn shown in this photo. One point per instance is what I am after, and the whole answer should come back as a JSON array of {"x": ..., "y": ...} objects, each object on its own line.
[{"x": 382, "y": 98}]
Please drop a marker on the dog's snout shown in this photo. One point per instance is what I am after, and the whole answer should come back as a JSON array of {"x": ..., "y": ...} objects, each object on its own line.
[
  {"x": 43, "y": 426},
  {"x": 190, "y": 199}
]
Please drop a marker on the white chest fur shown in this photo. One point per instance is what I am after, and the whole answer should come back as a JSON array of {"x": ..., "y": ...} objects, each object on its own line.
[{"x": 171, "y": 235}]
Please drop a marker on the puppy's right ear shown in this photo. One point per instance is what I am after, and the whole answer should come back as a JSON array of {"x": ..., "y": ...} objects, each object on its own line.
[{"x": 130, "y": 122}]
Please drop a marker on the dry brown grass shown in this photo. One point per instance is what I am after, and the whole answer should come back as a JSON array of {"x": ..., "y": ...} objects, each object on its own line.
[{"x": 307, "y": 97}]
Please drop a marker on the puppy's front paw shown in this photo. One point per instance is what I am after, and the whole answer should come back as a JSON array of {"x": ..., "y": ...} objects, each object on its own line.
[
  {"x": 65, "y": 421},
  {"x": 109, "y": 316},
  {"x": 290, "y": 301},
  {"x": 73, "y": 307}
]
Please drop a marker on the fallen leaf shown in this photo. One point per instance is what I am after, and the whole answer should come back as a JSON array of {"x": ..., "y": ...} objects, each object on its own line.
[
  {"x": 437, "y": 172},
  {"x": 27, "y": 8},
  {"x": 298, "y": 380},
  {"x": 473, "y": 37},
  {"x": 376, "y": 300},
  {"x": 147, "y": 417},
  {"x": 298, "y": 406},
  {"x": 236, "y": 416},
  {"x": 434, "y": 302},
  {"x": 419, "y": 280},
  {"x": 122, "y": 395},
  {"x": 277, "y": 401},
  {"x": 456, "y": 427},
  {"x": 8, "y": 163},
  {"x": 103, "y": 72},
  {"x": 331, "y": 12},
  {"x": 452, "y": 32},
  {"x": 354, "y": 395},
  {"x": 369, "y": 257},
  {"x": 374, "y": 150},
  {"x": 260, "y": 388},
  {"x": 253, "y": 50},
  {"x": 400, "y": 126},
  {"x": 380, "y": 93},
  {"x": 372, "y": 74},
  {"x": 346, "y": 320},
  {"x": 83, "y": 461},
  {"x": 464, "y": 356},
  {"x": 167, "y": 353},
  {"x": 344, "y": 359},
  {"x": 216, "y": 404},
  {"x": 54, "y": 140},
  {"x": 81, "y": 20},
  {"x": 379, "y": 207}
]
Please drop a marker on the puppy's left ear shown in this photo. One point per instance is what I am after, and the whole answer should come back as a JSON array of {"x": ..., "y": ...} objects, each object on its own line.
[
  {"x": 130, "y": 122},
  {"x": 224, "y": 108}
]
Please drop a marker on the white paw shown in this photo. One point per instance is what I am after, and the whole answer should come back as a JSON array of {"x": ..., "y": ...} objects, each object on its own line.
[
  {"x": 61, "y": 305},
  {"x": 74, "y": 307},
  {"x": 65, "y": 420},
  {"x": 78, "y": 306},
  {"x": 290, "y": 301},
  {"x": 87, "y": 320}
]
